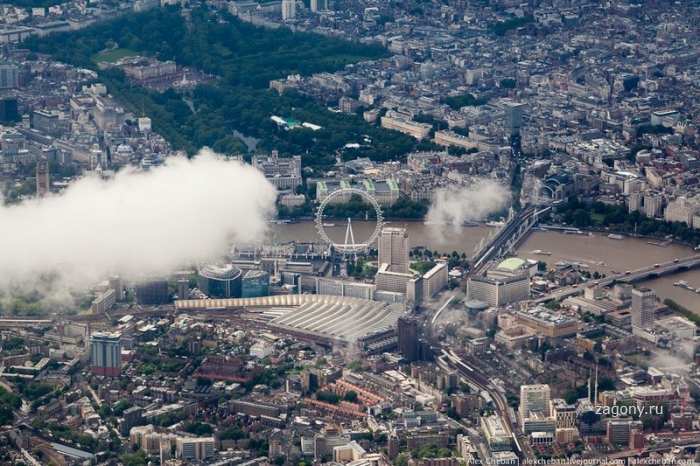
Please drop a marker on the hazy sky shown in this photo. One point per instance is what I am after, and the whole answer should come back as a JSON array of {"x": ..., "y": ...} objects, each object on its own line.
[{"x": 136, "y": 223}]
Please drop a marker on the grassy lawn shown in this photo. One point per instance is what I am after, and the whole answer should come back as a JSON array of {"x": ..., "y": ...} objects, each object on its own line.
[
  {"x": 597, "y": 218},
  {"x": 345, "y": 58},
  {"x": 222, "y": 50},
  {"x": 113, "y": 55}
]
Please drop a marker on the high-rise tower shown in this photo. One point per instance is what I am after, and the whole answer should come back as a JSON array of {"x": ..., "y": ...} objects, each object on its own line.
[
  {"x": 43, "y": 180},
  {"x": 643, "y": 303},
  {"x": 106, "y": 354},
  {"x": 393, "y": 249},
  {"x": 407, "y": 329}
]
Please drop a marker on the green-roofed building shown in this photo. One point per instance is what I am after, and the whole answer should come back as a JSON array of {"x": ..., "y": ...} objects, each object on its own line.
[{"x": 512, "y": 264}]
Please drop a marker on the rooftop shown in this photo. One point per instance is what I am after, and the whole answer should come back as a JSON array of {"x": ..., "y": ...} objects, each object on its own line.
[{"x": 512, "y": 264}]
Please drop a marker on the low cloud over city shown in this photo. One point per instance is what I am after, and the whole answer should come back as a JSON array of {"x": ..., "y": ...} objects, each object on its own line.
[
  {"x": 136, "y": 223},
  {"x": 453, "y": 205}
]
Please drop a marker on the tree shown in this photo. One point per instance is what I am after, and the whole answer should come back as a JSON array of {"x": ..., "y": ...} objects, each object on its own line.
[
  {"x": 351, "y": 396},
  {"x": 571, "y": 396},
  {"x": 508, "y": 83},
  {"x": 453, "y": 414},
  {"x": 401, "y": 460},
  {"x": 135, "y": 459}
]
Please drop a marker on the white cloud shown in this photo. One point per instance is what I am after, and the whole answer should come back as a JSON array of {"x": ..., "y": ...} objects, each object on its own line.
[{"x": 138, "y": 223}]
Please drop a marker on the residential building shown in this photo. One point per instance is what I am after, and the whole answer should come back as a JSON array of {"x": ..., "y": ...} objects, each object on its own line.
[
  {"x": 195, "y": 448},
  {"x": 106, "y": 354},
  {"x": 288, "y": 9}
]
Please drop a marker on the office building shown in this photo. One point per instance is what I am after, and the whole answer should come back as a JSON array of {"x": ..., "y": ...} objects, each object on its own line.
[
  {"x": 682, "y": 209},
  {"x": 43, "y": 179},
  {"x": 46, "y": 122},
  {"x": 183, "y": 289},
  {"x": 255, "y": 283},
  {"x": 153, "y": 292},
  {"x": 104, "y": 301},
  {"x": 330, "y": 287},
  {"x": 499, "y": 292},
  {"x": 195, "y": 448},
  {"x": 407, "y": 329},
  {"x": 132, "y": 417},
  {"x": 108, "y": 114},
  {"x": 288, "y": 9},
  {"x": 395, "y": 282},
  {"x": 393, "y": 249},
  {"x": 513, "y": 117},
  {"x": 106, "y": 354},
  {"x": 8, "y": 75},
  {"x": 435, "y": 280},
  {"x": 283, "y": 172},
  {"x": 643, "y": 304},
  {"x": 8, "y": 111},
  {"x": 618, "y": 431},
  {"x": 414, "y": 290},
  {"x": 539, "y": 422},
  {"x": 399, "y": 122},
  {"x": 547, "y": 322},
  {"x": 115, "y": 283},
  {"x": 653, "y": 204},
  {"x": 221, "y": 282},
  {"x": 563, "y": 413},
  {"x": 534, "y": 399},
  {"x": 495, "y": 434}
]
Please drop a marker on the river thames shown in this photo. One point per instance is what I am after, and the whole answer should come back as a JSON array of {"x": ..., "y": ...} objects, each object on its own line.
[{"x": 600, "y": 253}]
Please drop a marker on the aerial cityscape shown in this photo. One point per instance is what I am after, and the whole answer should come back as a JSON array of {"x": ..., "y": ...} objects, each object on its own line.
[{"x": 349, "y": 232}]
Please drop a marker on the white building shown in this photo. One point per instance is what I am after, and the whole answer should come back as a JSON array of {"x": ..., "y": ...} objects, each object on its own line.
[
  {"x": 534, "y": 398},
  {"x": 681, "y": 209},
  {"x": 435, "y": 280},
  {"x": 393, "y": 249},
  {"x": 327, "y": 286},
  {"x": 261, "y": 349},
  {"x": 396, "y": 282},
  {"x": 288, "y": 9},
  {"x": 643, "y": 304},
  {"x": 195, "y": 448}
]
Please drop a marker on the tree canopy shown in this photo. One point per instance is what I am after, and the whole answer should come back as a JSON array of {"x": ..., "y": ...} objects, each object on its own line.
[{"x": 244, "y": 58}]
